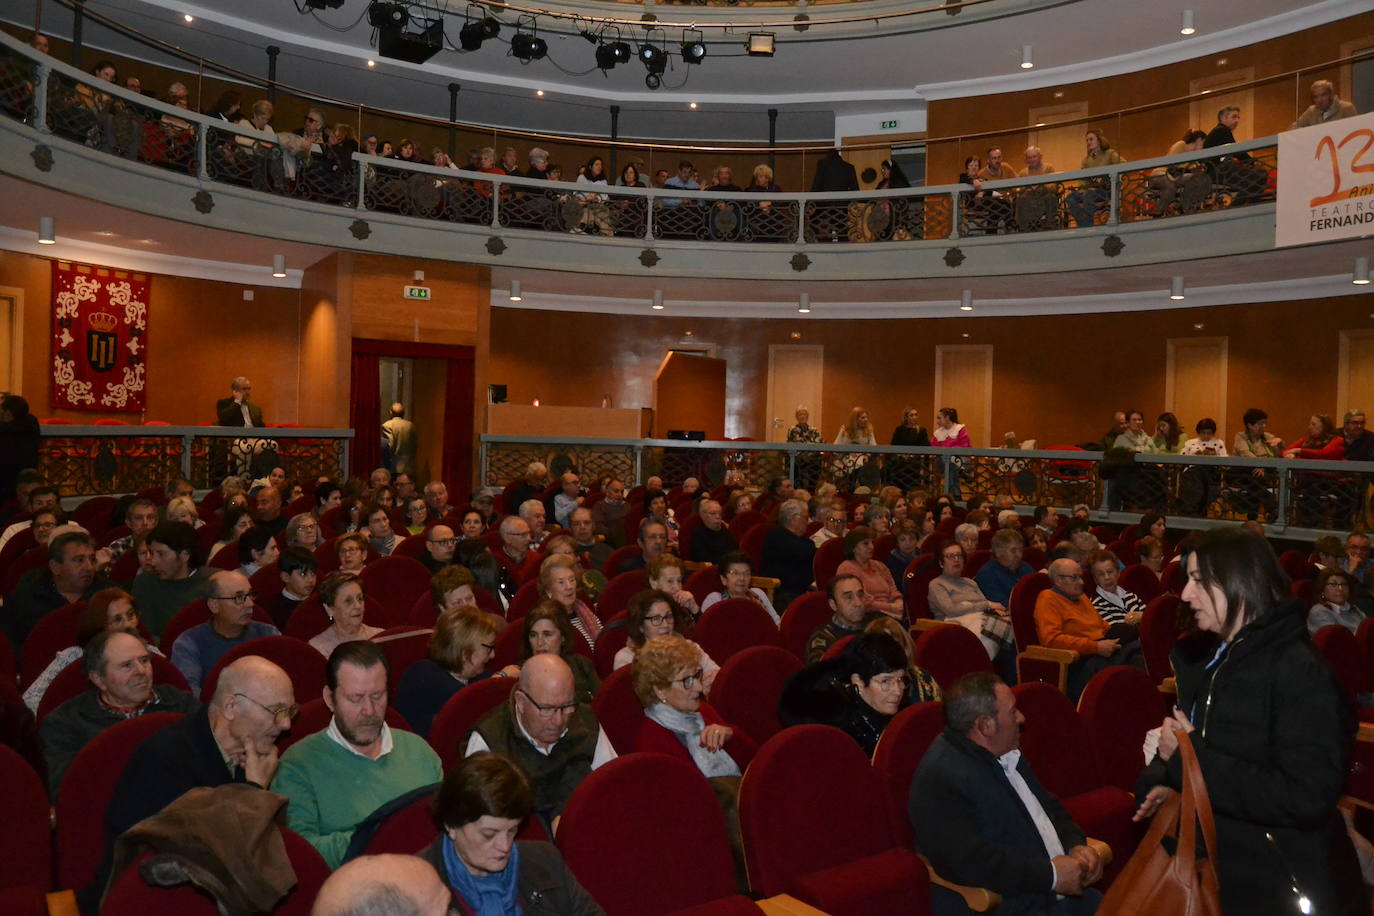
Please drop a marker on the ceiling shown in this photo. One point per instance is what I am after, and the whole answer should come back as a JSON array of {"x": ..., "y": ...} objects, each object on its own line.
[{"x": 812, "y": 77}]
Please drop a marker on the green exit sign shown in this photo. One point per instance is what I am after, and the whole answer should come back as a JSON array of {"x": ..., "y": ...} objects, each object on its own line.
[
  {"x": 416, "y": 292},
  {"x": 889, "y": 125}
]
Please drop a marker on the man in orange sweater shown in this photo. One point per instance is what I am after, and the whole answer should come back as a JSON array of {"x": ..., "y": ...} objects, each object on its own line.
[{"x": 1066, "y": 619}]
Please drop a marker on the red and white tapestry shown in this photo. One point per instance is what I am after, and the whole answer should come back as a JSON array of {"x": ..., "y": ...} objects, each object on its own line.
[{"x": 99, "y": 337}]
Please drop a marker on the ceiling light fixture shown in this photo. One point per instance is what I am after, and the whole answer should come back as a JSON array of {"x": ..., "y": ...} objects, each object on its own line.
[
  {"x": 1361, "y": 272},
  {"x": 804, "y": 304},
  {"x": 609, "y": 53},
  {"x": 1198, "y": 326},
  {"x": 693, "y": 47},
  {"x": 371, "y": 63},
  {"x": 279, "y": 266},
  {"x": 45, "y": 231},
  {"x": 658, "y": 300},
  {"x": 539, "y": 92},
  {"x": 1187, "y": 28},
  {"x": 654, "y": 57},
  {"x": 475, "y": 31},
  {"x": 1176, "y": 290},
  {"x": 692, "y": 105},
  {"x": 528, "y": 46},
  {"x": 761, "y": 44},
  {"x": 189, "y": 18},
  {"x": 515, "y": 291},
  {"x": 1026, "y": 62},
  {"x": 966, "y": 301}
]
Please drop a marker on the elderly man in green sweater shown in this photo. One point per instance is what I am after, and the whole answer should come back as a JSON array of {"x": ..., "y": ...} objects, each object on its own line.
[{"x": 337, "y": 777}]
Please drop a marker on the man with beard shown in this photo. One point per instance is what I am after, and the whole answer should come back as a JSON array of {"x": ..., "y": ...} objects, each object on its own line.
[{"x": 337, "y": 777}]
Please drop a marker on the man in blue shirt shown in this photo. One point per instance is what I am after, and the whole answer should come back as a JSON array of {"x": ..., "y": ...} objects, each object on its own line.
[
  {"x": 682, "y": 180},
  {"x": 231, "y": 623},
  {"x": 999, "y": 577}
]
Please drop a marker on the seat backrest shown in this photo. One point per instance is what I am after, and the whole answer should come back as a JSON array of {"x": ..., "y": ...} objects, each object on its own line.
[
  {"x": 688, "y": 521},
  {"x": 1338, "y": 646},
  {"x": 804, "y": 616},
  {"x": 613, "y": 638},
  {"x": 72, "y": 681},
  {"x": 1364, "y": 638},
  {"x": 975, "y": 562},
  {"x": 266, "y": 581},
  {"x": 1021, "y": 604},
  {"x": 507, "y": 645},
  {"x": 747, "y": 688},
  {"x": 1158, "y": 633},
  {"x": 788, "y": 799},
  {"x": 404, "y": 646},
  {"x": 618, "y": 558},
  {"x": 1173, "y": 579},
  {"x": 673, "y": 808},
  {"x": 828, "y": 558},
  {"x": 733, "y": 625},
  {"x": 916, "y": 588},
  {"x": 615, "y": 597},
  {"x": 192, "y": 615},
  {"x": 1117, "y": 707},
  {"x": 703, "y": 582},
  {"x": 395, "y": 582},
  {"x": 31, "y": 559},
  {"x": 94, "y": 514},
  {"x": 900, "y": 749},
  {"x": 55, "y": 632},
  {"x": 86, "y": 791},
  {"x": 751, "y": 542},
  {"x": 298, "y": 659},
  {"x": 309, "y": 619},
  {"x": 526, "y": 597},
  {"x": 25, "y": 843},
  {"x": 949, "y": 652},
  {"x": 618, "y": 709},
  {"x": 405, "y": 831},
  {"x": 461, "y": 713},
  {"x": 1055, "y": 742},
  {"x": 412, "y": 546},
  {"x": 1142, "y": 581},
  {"x": 741, "y": 524}
]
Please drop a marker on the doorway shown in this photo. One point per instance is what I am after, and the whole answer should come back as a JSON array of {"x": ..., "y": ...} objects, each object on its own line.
[
  {"x": 1195, "y": 381},
  {"x": 795, "y": 379},
  {"x": 12, "y": 350},
  {"x": 963, "y": 381}
]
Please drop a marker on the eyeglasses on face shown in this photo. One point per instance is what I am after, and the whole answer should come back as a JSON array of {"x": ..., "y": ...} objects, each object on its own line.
[
  {"x": 549, "y": 712},
  {"x": 443, "y": 542},
  {"x": 690, "y": 680},
  {"x": 285, "y": 711},
  {"x": 658, "y": 620},
  {"x": 888, "y": 681},
  {"x": 239, "y": 598}
]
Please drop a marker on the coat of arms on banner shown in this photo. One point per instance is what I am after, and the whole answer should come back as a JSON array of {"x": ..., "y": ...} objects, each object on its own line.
[{"x": 99, "y": 337}]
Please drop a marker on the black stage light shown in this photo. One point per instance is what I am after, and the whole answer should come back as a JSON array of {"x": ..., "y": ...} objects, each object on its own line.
[
  {"x": 693, "y": 48},
  {"x": 470, "y": 36},
  {"x": 622, "y": 52},
  {"x": 605, "y": 57},
  {"x": 655, "y": 59},
  {"x": 383, "y": 15},
  {"x": 323, "y": 4},
  {"x": 416, "y": 41},
  {"x": 528, "y": 47}
]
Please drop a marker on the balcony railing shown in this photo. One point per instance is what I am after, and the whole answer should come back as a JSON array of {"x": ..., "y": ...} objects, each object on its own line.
[
  {"x": 58, "y": 100},
  {"x": 93, "y": 460},
  {"x": 1302, "y": 498}
]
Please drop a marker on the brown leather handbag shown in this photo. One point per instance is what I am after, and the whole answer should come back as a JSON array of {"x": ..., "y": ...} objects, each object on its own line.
[{"x": 1157, "y": 883}]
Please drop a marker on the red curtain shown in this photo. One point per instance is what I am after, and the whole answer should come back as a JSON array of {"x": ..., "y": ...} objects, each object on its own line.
[
  {"x": 365, "y": 414},
  {"x": 458, "y": 394}
]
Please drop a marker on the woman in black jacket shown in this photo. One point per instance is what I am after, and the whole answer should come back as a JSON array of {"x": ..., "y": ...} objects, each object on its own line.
[{"x": 1273, "y": 735}]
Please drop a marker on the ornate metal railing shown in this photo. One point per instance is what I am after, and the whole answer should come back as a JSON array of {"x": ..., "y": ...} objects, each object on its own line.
[
  {"x": 60, "y": 101},
  {"x": 1297, "y": 495},
  {"x": 91, "y": 460}
]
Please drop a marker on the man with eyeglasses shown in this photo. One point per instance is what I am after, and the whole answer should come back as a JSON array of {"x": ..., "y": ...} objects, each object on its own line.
[
  {"x": 231, "y": 600},
  {"x": 1066, "y": 619},
  {"x": 556, "y": 740},
  {"x": 833, "y": 520},
  {"x": 440, "y": 542},
  {"x": 120, "y": 670},
  {"x": 337, "y": 777}
]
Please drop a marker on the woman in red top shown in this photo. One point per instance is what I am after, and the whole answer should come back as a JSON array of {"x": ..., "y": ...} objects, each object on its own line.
[
  {"x": 1318, "y": 494},
  {"x": 668, "y": 682},
  {"x": 1321, "y": 441}
]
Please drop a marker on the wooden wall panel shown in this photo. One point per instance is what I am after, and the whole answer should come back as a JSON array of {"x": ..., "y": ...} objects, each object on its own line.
[
  {"x": 689, "y": 394},
  {"x": 449, "y": 317}
]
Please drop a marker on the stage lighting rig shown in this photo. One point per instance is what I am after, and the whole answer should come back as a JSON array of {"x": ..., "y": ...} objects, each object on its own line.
[
  {"x": 477, "y": 30},
  {"x": 693, "y": 46},
  {"x": 528, "y": 45},
  {"x": 654, "y": 57},
  {"x": 323, "y": 4},
  {"x": 382, "y": 15},
  {"x": 610, "y": 53}
]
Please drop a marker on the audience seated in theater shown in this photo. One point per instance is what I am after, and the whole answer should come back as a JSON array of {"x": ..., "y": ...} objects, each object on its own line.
[
  {"x": 232, "y": 740},
  {"x": 296, "y": 568},
  {"x": 665, "y": 575},
  {"x": 1238, "y": 170},
  {"x": 858, "y": 692},
  {"x": 683, "y": 180},
  {"x": 532, "y": 511},
  {"x": 1320, "y": 443},
  {"x": 711, "y": 540},
  {"x": 763, "y": 183},
  {"x": 547, "y": 731},
  {"x": 920, "y": 684},
  {"x": 966, "y": 536},
  {"x": 473, "y": 525},
  {"x": 459, "y": 650},
  {"x": 996, "y": 168},
  {"x": 385, "y": 497},
  {"x": 999, "y": 828},
  {"x": 538, "y": 164},
  {"x": 436, "y": 497},
  {"x": 1134, "y": 437},
  {"x": 328, "y": 495},
  {"x": 231, "y": 623},
  {"x": 653, "y": 543},
  {"x": 440, "y": 543},
  {"x": 596, "y": 214},
  {"x": 546, "y": 630},
  {"x": 379, "y": 533},
  {"x": 949, "y": 432},
  {"x": 178, "y": 577},
  {"x": 1008, "y": 519},
  {"x": 1325, "y": 107},
  {"x": 833, "y": 173},
  {"x": 341, "y": 596},
  {"x": 834, "y": 524},
  {"x": 1114, "y": 604},
  {"x": 1092, "y": 194},
  {"x": 238, "y": 409},
  {"x": 351, "y": 549},
  {"x": 1334, "y": 590},
  {"x": 670, "y": 682},
  {"x": 849, "y": 619},
  {"x": 582, "y": 529},
  {"x": 117, "y": 663},
  {"x": 1035, "y": 164},
  {"x": 268, "y": 509},
  {"x": 39, "y": 497},
  {"x": 479, "y": 810},
  {"x": 256, "y": 549},
  {"x": 1066, "y": 619},
  {"x": 558, "y": 581},
  {"x": 515, "y": 559},
  {"x": 956, "y": 598},
  {"x": 1167, "y": 182},
  {"x": 999, "y": 576},
  {"x": 609, "y": 514},
  {"x": 654, "y": 613},
  {"x": 568, "y": 497},
  {"x": 1357, "y": 562},
  {"x": 736, "y": 572},
  {"x": 1149, "y": 552},
  {"x": 384, "y": 884},
  {"x": 905, "y": 547},
  {"x": 303, "y": 531},
  {"x": 656, "y": 507},
  {"x": 788, "y": 552},
  {"x": 881, "y": 594},
  {"x": 110, "y": 609},
  {"x": 335, "y": 778}
]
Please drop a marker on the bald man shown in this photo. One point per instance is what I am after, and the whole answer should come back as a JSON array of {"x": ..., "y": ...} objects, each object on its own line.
[
  {"x": 371, "y": 885},
  {"x": 1066, "y": 619},
  {"x": 556, "y": 740},
  {"x": 196, "y": 651}
]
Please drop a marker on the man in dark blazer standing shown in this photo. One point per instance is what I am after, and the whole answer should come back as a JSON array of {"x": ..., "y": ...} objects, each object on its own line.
[
  {"x": 238, "y": 409},
  {"x": 831, "y": 218},
  {"x": 984, "y": 820}
]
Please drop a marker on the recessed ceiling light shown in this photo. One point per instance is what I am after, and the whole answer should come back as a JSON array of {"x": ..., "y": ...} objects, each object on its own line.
[
  {"x": 1059, "y": 94},
  {"x": 1222, "y": 61},
  {"x": 46, "y": 232},
  {"x": 804, "y": 304},
  {"x": 966, "y": 301},
  {"x": 279, "y": 265},
  {"x": 658, "y": 300},
  {"x": 149, "y": 241},
  {"x": 371, "y": 63},
  {"x": 105, "y": 232},
  {"x": 1187, "y": 27},
  {"x": 965, "y": 333},
  {"x": 1039, "y": 123},
  {"x": 189, "y": 18},
  {"x": 1026, "y": 62},
  {"x": 514, "y": 294},
  {"x": 539, "y": 92},
  {"x": 686, "y": 333},
  {"x": 795, "y": 335},
  {"x": 1199, "y": 326},
  {"x": 1176, "y": 289},
  {"x": 1361, "y": 272},
  {"x": 692, "y": 105}
]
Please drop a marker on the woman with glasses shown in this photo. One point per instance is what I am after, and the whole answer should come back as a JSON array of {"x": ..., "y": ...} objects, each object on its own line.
[
  {"x": 352, "y": 552},
  {"x": 736, "y": 574},
  {"x": 302, "y": 531},
  {"x": 463, "y": 643},
  {"x": 859, "y": 691},
  {"x": 653, "y": 614},
  {"x": 417, "y": 515},
  {"x": 546, "y": 629},
  {"x": 341, "y": 594},
  {"x": 1335, "y": 590}
]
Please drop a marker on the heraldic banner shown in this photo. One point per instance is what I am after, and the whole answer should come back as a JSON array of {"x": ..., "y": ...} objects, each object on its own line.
[{"x": 99, "y": 337}]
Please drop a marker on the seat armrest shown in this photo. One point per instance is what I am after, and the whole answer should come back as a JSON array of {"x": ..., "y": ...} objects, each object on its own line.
[
  {"x": 1170, "y": 686},
  {"x": 62, "y": 903},
  {"x": 977, "y": 899},
  {"x": 1104, "y": 852},
  {"x": 787, "y": 905},
  {"x": 926, "y": 623},
  {"x": 692, "y": 566},
  {"x": 766, "y": 584},
  {"x": 1046, "y": 654}
]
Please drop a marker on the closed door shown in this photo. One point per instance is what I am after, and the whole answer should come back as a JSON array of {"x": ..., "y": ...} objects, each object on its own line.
[
  {"x": 963, "y": 381},
  {"x": 794, "y": 380},
  {"x": 1195, "y": 382},
  {"x": 1220, "y": 90},
  {"x": 1355, "y": 383},
  {"x": 11, "y": 339}
]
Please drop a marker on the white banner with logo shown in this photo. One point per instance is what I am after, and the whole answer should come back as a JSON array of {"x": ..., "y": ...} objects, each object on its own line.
[{"x": 1326, "y": 182}]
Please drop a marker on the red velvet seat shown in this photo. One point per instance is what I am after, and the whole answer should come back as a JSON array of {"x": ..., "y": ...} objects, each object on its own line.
[
  {"x": 1159, "y": 631},
  {"x": 615, "y": 597},
  {"x": 1304, "y": 589},
  {"x": 423, "y": 613},
  {"x": 688, "y": 520},
  {"x": 618, "y": 709},
  {"x": 299, "y": 660},
  {"x": 747, "y": 688},
  {"x": 9, "y": 671},
  {"x": 31, "y": 559},
  {"x": 900, "y": 749},
  {"x": 71, "y": 681},
  {"x": 1033, "y": 661},
  {"x": 129, "y": 894},
  {"x": 673, "y": 808},
  {"x": 266, "y": 581},
  {"x": 618, "y": 558},
  {"x": 507, "y": 645},
  {"x": 327, "y": 555},
  {"x": 87, "y": 788},
  {"x": 1142, "y": 581},
  {"x": 227, "y": 558},
  {"x": 461, "y": 714},
  {"x": 18, "y": 545},
  {"x": 1296, "y": 564},
  {"x": 950, "y": 651},
  {"x": 314, "y": 717},
  {"x": 610, "y": 642},
  {"x": 193, "y": 615},
  {"x": 975, "y": 562},
  {"x": 788, "y": 799},
  {"x": 526, "y": 597},
  {"x": 738, "y": 905},
  {"x": 1364, "y": 638},
  {"x": 412, "y": 546},
  {"x": 1117, "y": 707},
  {"x": 916, "y": 586},
  {"x": 733, "y": 625},
  {"x": 404, "y": 646},
  {"x": 703, "y": 582},
  {"x": 741, "y": 524},
  {"x": 1342, "y": 652},
  {"x": 95, "y": 514},
  {"x": 309, "y": 619},
  {"x": 1173, "y": 579},
  {"x": 1060, "y": 751},
  {"x": 26, "y": 840},
  {"x": 751, "y": 542},
  {"x": 396, "y": 582},
  {"x": 406, "y": 831},
  {"x": 827, "y": 560},
  {"x": 806, "y": 614},
  {"x": 55, "y": 632},
  {"x": 836, "y": 648}
]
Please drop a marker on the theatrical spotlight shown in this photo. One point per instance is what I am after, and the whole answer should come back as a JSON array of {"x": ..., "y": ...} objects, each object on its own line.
[
  {"x": 323, "y": 4},
  {"x": 654, "y": 57},
  {"x": 476, "y": 31},
  {"x": 387, "y": 15},
  {"x": 610, "y": 53},
  {"x": 693, "y": 47},
  {"x": 528, "y": 45}
]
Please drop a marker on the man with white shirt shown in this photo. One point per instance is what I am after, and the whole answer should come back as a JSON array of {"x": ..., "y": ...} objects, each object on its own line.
[
  {"x": 335, "y": 778},
  {"x": 555, "y": 740},
  {"x": 999, "y": 828}
]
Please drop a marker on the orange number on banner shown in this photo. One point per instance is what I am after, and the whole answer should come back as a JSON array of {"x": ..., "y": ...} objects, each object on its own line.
[{"x": 1329, "y": 145}]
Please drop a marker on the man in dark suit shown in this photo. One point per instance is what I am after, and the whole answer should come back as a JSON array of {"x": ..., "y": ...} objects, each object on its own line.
[
  {"x": 984, "y": 820},
  {"x": 831, "y": 219},
  {"x": 238, "y": 409}
]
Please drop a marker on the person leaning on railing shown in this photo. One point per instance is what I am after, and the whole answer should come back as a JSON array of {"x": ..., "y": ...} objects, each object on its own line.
[
  {"x": 1167, "y": 183},
  {"x": 1246, "y": 177},
  {"x": 1094, "y": 192}
]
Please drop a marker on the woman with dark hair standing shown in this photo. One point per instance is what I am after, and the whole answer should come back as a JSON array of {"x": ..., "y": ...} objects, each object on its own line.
[
  {"x": 1273, "y": 736},
  {"x": 478, "y": 812}
]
